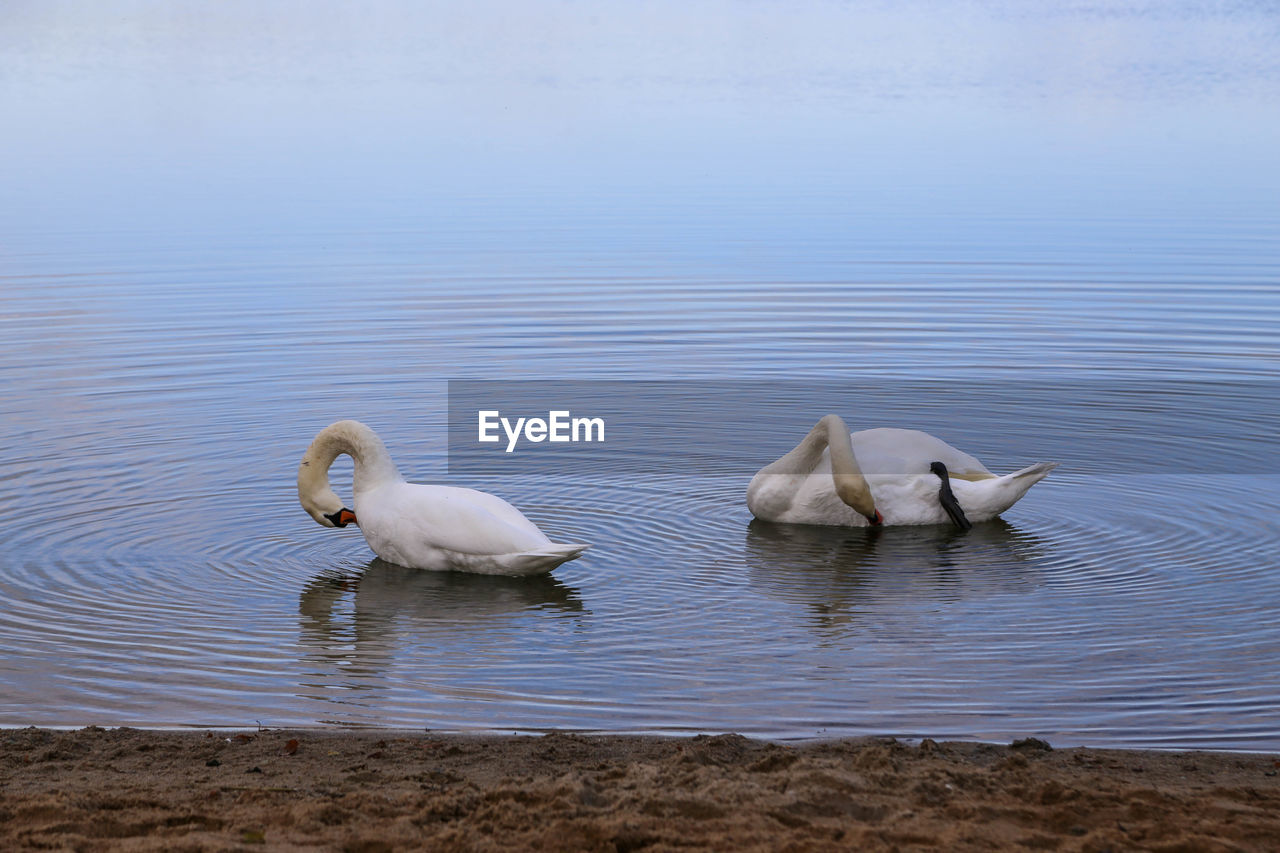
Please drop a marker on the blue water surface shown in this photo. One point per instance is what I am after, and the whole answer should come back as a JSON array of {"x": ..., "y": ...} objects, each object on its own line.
[{"x": 225, "y": 225}]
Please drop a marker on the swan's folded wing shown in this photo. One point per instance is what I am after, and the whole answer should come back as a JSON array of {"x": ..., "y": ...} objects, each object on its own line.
[
  {"x": 886, "y": 451},
  {"x": 452, "y": 519}
]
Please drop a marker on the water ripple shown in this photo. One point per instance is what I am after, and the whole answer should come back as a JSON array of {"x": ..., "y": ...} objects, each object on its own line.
[{"x": 163, "y": 573}]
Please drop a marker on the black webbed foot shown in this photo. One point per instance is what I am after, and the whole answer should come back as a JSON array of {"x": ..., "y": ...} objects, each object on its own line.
[{"x": 948, "y": 499}]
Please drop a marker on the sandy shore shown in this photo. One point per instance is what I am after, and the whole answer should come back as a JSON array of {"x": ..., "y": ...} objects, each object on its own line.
[{"x": 129, "y": 789}]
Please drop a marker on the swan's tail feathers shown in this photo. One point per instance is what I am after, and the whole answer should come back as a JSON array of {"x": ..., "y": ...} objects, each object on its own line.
[
  {"x": 539, "y": 561},
  {"x": 1036, "y": 472},
  {"x": 1003, "y": 492}
]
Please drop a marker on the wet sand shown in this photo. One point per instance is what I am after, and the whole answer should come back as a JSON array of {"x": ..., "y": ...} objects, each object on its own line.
[{"x": 129, "y": 789}]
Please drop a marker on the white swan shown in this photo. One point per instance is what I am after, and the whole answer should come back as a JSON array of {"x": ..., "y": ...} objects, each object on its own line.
[
  {"x": 422, "y": 527},
  {"x": 882, "y": 476}
]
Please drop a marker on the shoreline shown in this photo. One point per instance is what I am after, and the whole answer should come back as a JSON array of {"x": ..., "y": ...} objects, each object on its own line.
[
  {"x": 799, "y": 741},
  {"x": 382, "y": 790},
  {"x": 659, "y": 734}
]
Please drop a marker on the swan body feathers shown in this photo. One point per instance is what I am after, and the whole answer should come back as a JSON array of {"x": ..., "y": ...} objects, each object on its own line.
[
  {"x": 880, "y": 476},
  {"x": 422, "y": 526}
]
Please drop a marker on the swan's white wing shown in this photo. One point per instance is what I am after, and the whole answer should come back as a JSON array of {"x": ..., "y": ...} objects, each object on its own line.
[
  {"x": 887, "y": 451},
  {"x": 496, "y": 507},
  {"x": 405, "y": 515}
]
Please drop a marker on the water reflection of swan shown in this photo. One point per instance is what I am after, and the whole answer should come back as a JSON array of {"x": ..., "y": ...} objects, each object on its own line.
[
  {"x": 882, "y": 476},
  {"x": 358, "y": 620},
  {"x": 840, "y": 573}
]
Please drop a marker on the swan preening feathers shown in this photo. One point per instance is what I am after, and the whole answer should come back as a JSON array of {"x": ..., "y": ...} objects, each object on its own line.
[
  {"x": 832, "y": 477},
  {"x": 422, "y": 527},
  {"x": 882, "y": 476}
]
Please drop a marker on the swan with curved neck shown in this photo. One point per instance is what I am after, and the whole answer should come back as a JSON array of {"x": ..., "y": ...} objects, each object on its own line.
[
  {"x": 882, "y": 476},
  {"x": 420, "y": 526}
]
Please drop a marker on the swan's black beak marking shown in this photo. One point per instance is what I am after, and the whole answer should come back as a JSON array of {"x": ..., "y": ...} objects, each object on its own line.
[
  {"x": 875, "y": 520},
  {"x": 342, "y": 517},
  {"x": 948, "y": 499}
]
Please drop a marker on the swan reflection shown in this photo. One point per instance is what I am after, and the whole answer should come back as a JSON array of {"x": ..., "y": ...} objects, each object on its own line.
[
  {"x": 841, "y": 575},
  {"x": 355, "y": 625}
]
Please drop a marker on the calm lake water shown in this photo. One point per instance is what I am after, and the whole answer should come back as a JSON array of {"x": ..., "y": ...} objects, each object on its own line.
[{"x": 1036, "y": 235}]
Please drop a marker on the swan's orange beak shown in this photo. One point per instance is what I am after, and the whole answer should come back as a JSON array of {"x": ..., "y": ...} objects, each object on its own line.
[
  {"x": 877, "y": 520},
  {"x": 342, "y": 517}
]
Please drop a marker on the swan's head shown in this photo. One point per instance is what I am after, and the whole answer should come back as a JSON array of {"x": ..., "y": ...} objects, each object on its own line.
[
  {"x": 852, "y": 488},
  {"x": 318, "y": 499},
  {"x": 326, "y": 508}
]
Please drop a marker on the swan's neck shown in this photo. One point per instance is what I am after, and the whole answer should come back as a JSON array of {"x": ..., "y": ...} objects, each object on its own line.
[
  {"x": 832, "y": 435},
  {"x": 373, "y": 465}
]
